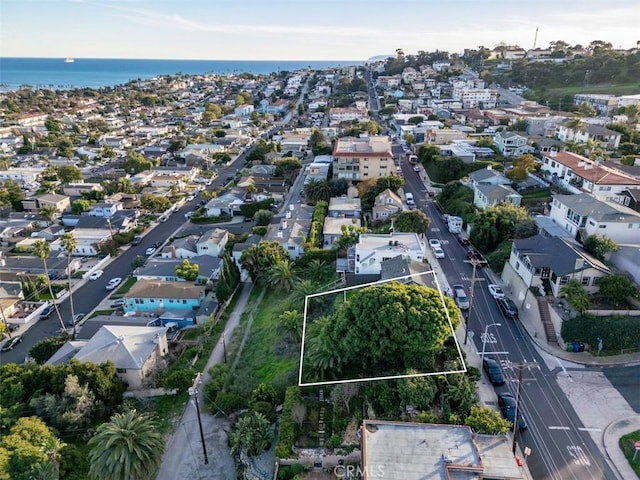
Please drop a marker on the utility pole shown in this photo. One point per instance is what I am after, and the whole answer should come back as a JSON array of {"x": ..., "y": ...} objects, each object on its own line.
[
  {"x": 193, "y": 392},
  {"x": 475, "y": 262},
  {"x": 520, "y": 366},
  {"x": 224, "y": 348}
]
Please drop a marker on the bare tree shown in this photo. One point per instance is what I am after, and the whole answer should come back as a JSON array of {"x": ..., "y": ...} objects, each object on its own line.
[{"x": 298, "y": 414}]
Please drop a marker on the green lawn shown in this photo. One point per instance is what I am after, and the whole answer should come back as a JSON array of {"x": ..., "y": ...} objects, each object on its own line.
[
  {"x": 126, "y": 286},
  {"x": 626, "y": 444},
  {"x": 266, "y": 357},
  {"x": 613, "y": 89}
]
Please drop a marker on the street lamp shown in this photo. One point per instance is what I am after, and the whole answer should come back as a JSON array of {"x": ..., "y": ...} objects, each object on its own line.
[{"x": 484, "y": 340}]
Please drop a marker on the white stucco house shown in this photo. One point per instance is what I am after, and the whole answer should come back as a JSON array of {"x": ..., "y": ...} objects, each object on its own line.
[{"x": 372, "y": 249}]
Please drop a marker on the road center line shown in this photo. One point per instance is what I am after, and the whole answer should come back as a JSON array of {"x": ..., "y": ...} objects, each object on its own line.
[
  {"x": 559, "y": 428},
  {"x": 586, "y": 429}
]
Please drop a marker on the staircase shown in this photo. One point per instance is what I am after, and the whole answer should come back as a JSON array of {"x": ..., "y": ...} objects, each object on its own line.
[
  {"x": 321, "y": 419},
  {"x": 545, "y": 316}
]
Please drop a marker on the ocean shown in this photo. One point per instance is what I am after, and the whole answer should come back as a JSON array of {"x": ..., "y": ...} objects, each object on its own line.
[{"x": 56, "y": 73}]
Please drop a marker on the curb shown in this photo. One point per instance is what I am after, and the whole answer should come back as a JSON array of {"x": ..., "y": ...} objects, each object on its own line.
[{"x": 605, "y": 433}]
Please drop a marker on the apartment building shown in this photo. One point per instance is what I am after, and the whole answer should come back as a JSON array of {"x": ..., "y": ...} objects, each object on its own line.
[{"x": 357, "y": 159}]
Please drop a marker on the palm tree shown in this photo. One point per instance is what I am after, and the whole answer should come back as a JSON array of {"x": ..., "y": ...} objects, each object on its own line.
[
  {"x": 48, "y": 212},
  {"x": 129, "y": 447},
  {"x": 251, "y": 434},
  {"x": 317, "y": 269},
  {"x": 50, "y": 470},
  {"x": 283, "y": 275},
  {"x": 42, "y": 250},
  {"x": 291, "y": 322},
  {"x": 70, "y": 243},
  {"x": 321, "y": 354}
]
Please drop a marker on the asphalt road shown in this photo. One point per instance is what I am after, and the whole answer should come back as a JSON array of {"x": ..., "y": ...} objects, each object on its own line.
[{"x": 561, "y": 447}]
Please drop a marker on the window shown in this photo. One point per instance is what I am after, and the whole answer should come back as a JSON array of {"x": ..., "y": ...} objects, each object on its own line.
[
  {"x": 121, "y": 370},
  {"x": 602, "y": 226},
  {"x": 596, "y": 281},
  {"x": 184, "y": 302},
  {"x": 630, "y": 225},
  {"x": 564, "y": 280},
  {"x": 517, "y": 265},
  {"x": 585, "y": 281}
]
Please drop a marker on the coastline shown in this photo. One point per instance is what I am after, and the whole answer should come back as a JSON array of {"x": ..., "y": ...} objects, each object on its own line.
[{"x": 58, "y": 74}]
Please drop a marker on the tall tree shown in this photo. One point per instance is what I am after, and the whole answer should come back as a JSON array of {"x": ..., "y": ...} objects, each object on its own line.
[
  {"x": 69, "y": 243},
  {"x": 42, "y": 250},
  {"x": 129, "y": 447},
  {"x": 283, "y": 275},
  {"x": 47, "y": 212}
]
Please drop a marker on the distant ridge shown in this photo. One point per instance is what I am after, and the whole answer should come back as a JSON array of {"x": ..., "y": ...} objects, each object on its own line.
[{"x": 378, "y": 58}]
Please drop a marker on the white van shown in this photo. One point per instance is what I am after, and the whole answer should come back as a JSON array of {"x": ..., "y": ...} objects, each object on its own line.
[
  {"x": 460, "y": 297},
  {"x": 409, "y": 198}
]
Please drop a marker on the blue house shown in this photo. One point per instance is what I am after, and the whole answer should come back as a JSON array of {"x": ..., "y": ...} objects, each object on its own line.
[{"x": 158, "y": 296}]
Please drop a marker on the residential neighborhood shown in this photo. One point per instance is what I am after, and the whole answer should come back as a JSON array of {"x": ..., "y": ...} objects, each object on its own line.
[{"x": 349, "y": 261}]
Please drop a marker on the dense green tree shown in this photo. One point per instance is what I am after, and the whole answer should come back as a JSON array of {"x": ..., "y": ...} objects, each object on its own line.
[
  {"x": 187, "y": 270},
  {"x": 599, "y": 246},
  {"x": 290, "y": 321},
  {"x": 45, "y": 348},
  {"x": 52, "y": 124},
  {"x": 250, "y": 435},
  {"x": 407, "y": 324},
  {"x": 136, "y": 163},
  {"x": 411, "y": 221},
  {"x": 338, "y": 187},
  {"x": 69, "y": 174},
  {"x": 24, "y": 448},
  {"x": 80, "y": 205},
  {"x": 417, "y": 391},
  {"x": 522, "y": 165},
  {"x": 11, "y": 194},
  {"x": 155, "y": 203},
  {"x": 488, "y": 421},
  {"x": 317, "y": 191},
  {"x": 617, "y": 289},
  {"x": 264, "y": 392},
  {"x": 263, "y": 217},
  {"x": 129, "y": 447},
  {"x": 576, "y": 295},
  {"x": 229, "y": 279},
  {"x": 495, "y": 224},
  {"x": 48, "y": 212},
  {"x": 258, "y": 259}
]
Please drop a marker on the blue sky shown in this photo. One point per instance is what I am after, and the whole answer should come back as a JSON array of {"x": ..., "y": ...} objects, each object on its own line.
[{"x": 301, "y": 29}]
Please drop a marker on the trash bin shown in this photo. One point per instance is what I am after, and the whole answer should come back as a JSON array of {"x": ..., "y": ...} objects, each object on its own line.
[{"x": 576, "y": 347}]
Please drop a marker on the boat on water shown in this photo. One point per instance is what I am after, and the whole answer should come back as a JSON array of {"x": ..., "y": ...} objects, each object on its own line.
[{"x": 69, "y": 60}]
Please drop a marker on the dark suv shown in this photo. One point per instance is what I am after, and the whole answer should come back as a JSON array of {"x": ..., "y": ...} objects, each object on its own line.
[
  {"x": 46, "y": 313},
  {"x": 494, "y": 372},
  {"x": 508, "y": 308},
  {"x": 507, "y": 405}
]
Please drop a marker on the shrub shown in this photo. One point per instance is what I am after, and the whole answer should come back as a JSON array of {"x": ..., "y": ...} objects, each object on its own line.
[
  {"x": 181, "y": 379},
  {"x": 229, "y": 401},
  {"x": 286, "y": 436},
  {"x": 262, "y": 231},
  {"x": 264, "y": 408},
  {"x": 334, "y": 441}
]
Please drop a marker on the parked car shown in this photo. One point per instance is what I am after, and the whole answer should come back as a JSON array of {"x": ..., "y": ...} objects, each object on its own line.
[
  {"x": 76, "y": 318},
  {"x": 46, "y": 313},
  {"x": 438, "y": 252},
  {"x": 495, "y": 291},
  {"x": 460, "y": 297},
  {"x": 11, "y": 343},
  {"x": 113, "y": 283},
  {"x": 96, "y": 275},
  {"x": 507, "y": 405},
  {"x": 508, "y": 308},
  {"x": 494, "y": 372},
  {"x": 157, "y": 244},
  {"x": 117, "y": 303},
  {"x": 188, "y": 215},
  {"x": 150, "y": 251},
  {"x": 434, "y": 243},
  {"x": 191, "y": 197},
  {"x": 12, "y": 327},
  {"x": 136, "y": 240}
]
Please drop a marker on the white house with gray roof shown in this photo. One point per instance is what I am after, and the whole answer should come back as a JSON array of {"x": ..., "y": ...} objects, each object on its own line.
[
  {"x": 583, "y": 215},
  {"x": 293, "y": 229},
  {"x": 487, "y": 195},
  {"x": 551, "y": 262}
]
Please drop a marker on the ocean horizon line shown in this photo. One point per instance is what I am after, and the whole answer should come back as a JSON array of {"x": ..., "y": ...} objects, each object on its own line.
[{"x": 187, "y": 59}]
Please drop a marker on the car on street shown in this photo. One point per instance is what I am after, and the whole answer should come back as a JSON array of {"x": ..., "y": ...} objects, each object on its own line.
[
  {"x": 46, "y": 313},
  {"x": 438, "y": 252},
  {"x": 76, "y": 318},
  {"x": 136, "y": 240},
  {"x": 460, "y": 297},
  {"x": 507, "y": 406},
  {"x": 495, "y": 291},
  {"x": 12, "y": 327},
  {"x": 156, "y": 244},
  {"x": 493, "y": 370},
  {"x": 150, "y": 251},
  {"x": 96, "y": 275},
  {"x": 191, "y": 198},
  {"x": 508, "y": 308},
  {"x": 188, "y": 215},
  {"x": 117, "y": 303},
  {"x": 434, "y": 243},
  {"x": 11, "y": 343},
  {"x": 113, "y": 283},
  {"x": 416, "y": 169}
]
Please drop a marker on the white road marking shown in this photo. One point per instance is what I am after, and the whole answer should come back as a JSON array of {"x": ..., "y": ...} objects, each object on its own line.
[
  {"x": 587, "y": 429},
  {"x": 564, "y": 369},
  {"x": 559, "y": 428},
  {"x": 579, "y": 457}
]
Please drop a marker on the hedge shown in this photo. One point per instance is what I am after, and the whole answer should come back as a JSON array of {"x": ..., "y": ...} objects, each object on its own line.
[
  {"x": 588, "y": 328},
  {"x": 287, "y": 435},
  {"x": 204, "y": 220},
  {"x": 250, "y": 209},
  {"x": 317, "y": 223}
]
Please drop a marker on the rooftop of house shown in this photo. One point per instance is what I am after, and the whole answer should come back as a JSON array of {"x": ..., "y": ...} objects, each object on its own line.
[
  {"x": 415, "y": 451},
  {"x": 402, "y": 266},
  {"x": 406, "y": 242},
  {"x": 161, "y": 289},
  {"x": 590, "y": 170},
  {"x": 333, "y": 226},
  {"x": 377, "y": 146},
  {"x": 587, "y": 206},
  {"x": 166, "y": 267},
  {"x": 556, "y": 254},
  {"x": 344, "y": 203},
  {"x": 485, "y": 174},
  {"x": 126, "y": 346},
  {"x": 496, "y": 192},
  {"x": 387, "y": 193},
  {"x": 215, "y": 235}
]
